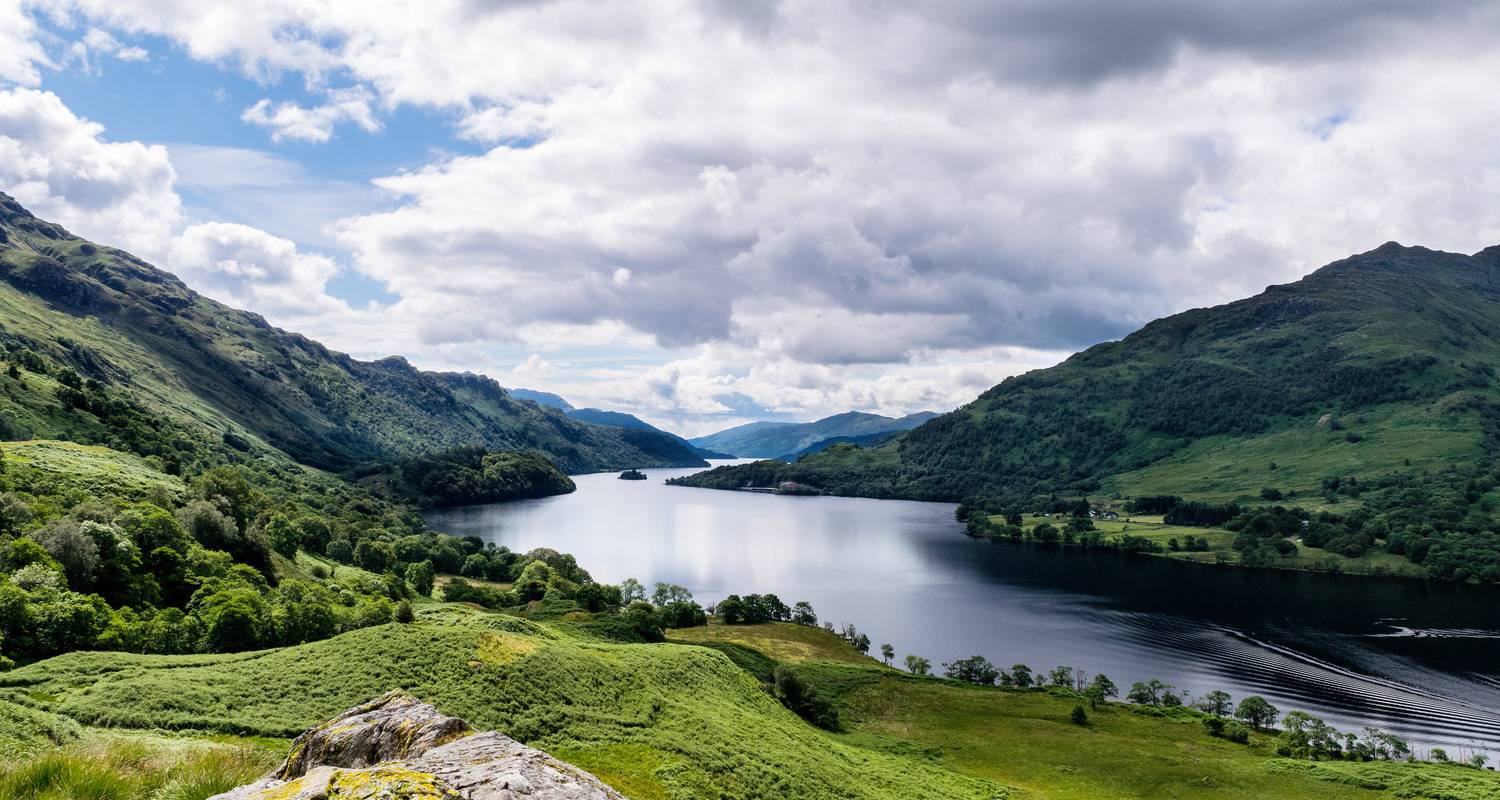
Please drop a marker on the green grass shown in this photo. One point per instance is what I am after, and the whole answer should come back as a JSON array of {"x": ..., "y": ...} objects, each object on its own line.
[
  {"x": 780, "y": 641},
  {"x": 1224, "y": 468},
  {"x": 692, "y": 722},
  {"x": 112, "y": 767},
  {"x": 1434, "y": 781},
  {"x": 674, "y": 720},
  {"x": 93, "y": 469},
  {"x": 1025, "y": 740},
  {"x": 1221, "y": 550}
]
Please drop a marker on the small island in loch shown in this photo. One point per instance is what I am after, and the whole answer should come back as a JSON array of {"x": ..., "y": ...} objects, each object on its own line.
[{"x": 632, "y": 475}]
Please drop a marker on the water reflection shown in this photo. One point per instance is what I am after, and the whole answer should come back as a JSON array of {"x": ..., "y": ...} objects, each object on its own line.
[{"x": 1422, "y": 659}]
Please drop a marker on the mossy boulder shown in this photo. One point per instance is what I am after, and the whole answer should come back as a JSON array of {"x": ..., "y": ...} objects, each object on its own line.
[{"x": 399, "y": 748}]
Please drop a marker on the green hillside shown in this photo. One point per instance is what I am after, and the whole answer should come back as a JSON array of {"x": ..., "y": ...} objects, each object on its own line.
[
  {"x": 112, "y": 319},
  {"x": 692, "y": 718},
  {"x": 1369, "y": 383},
  {"x": 1369, "y": 363}
]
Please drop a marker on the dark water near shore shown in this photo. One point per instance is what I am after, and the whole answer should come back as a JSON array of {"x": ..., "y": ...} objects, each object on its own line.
[{"x": 1417, "y": 658}]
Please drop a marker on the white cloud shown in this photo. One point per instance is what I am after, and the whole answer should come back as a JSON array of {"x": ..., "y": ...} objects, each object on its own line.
[
  {"x": 59, "y": 166},
  {"x": 291, "y": 121},
  {"x": 803, "y": 220},
  {"x": 89, "y": 51},
  {"x": 534, "y": 366},
  {"x": 248, "y": 268},
  {"x": 20, "y": 52}
]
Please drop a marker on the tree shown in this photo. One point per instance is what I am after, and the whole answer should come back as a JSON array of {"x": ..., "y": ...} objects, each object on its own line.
[
  {"x": 1147, "y": 693},
  {"x": 315, "y": 533},
  {"x": 918, "y": 665},
  {"x": 667, "y": 593},
  {"x": 421, "y": 576},
  {"x": 229, "y": 489},
  {"x": 1256, "y": 712},
  {"x": 404, "y": 613},
  {"x": 72, "y": 549},
  {"x": 1060, "y": 676},
  {"x": 475, "y": 566},
  {"x": 861, "y": 643},
  {"x": 631, "y": 590},
  {"x": 596, "y": 596},
  {"x": 1100, "y": 690},
  {"x": 1020, "y": 674},
  {"x": 887, "y": 653},
  {"x": 374, "y": 556},
  {"x": 731, "y": 609},
  {"x": 974, "y": 669},
  {"x": 151, "y": 526},
  {"x": 285, "y": 537},
  {"x": 1079, "y": 716},
  {"x": 644, "y": 620},
  {"x": 800, "y": 697},
  {"x": 234, "y": 619},
  {"x": 1306, "y": 736},
  {"x": 803, "y": 614},
  {"x": 531, "y": 584},
  {"x": 1216, "y": 702}
]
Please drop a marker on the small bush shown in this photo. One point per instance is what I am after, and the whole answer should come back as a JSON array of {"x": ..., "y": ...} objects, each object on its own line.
[
  {"x": 1079, "y": 716},
  {"x": 803, "y": 700}
]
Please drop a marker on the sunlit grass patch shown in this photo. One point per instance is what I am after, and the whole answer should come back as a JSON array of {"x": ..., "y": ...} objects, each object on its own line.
[{"x": 782, "y": 641}]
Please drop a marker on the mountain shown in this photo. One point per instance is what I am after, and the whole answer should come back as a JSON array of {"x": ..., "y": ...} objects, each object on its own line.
[
  {"x": 1379, "y": 365},
  {"x": 619, "y": 419},
  {"x": 866, "y": 440},
  {"x": 140, "y": 336},
  {"x": 541, "y": 398},
  {"x": 773, "y": 439}
]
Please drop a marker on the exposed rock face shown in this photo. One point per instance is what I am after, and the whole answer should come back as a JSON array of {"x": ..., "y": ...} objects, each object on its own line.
[{"x": 398, "y": 748}]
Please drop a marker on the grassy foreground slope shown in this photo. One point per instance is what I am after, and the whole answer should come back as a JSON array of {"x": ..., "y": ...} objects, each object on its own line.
[
  {"x": 690, "y": 719},
  {"x": 132, "y": 328},
  {"x": 1383, "y": 362},
  {"x": 656, "y": 720}
]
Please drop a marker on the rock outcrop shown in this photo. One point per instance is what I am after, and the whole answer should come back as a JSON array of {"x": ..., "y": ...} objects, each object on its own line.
[{"x": 399, "y": 748}]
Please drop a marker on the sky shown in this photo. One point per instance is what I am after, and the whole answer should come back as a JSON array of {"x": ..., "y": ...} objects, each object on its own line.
[{"x": 710, "y": 212}]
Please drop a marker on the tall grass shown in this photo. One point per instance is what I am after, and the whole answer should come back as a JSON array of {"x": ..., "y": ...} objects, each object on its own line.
[{"x": 118, "y": 769}]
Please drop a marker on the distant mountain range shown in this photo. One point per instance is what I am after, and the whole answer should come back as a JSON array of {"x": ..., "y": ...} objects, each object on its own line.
[
  {"x": 613, "y": 419},
  {"x": 128, "y": 330},
  {"x": 541, "y": 398},
  {"x": 791, "y": 439},
  {"x": 619, "y": 419}
]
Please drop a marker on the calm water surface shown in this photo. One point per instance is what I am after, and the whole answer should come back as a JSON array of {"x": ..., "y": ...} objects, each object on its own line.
[{"x": 1420, "y": 659}]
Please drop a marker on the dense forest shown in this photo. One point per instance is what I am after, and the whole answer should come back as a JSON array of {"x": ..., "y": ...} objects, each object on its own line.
[{"x": 472, "y": 475}]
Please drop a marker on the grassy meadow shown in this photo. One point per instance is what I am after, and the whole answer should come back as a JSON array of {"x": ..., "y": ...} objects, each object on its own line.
[
  {"x": 1297, "y": 455},
  {"x": 1221, "y": 551},
  {"x": 688, "y": 718}
]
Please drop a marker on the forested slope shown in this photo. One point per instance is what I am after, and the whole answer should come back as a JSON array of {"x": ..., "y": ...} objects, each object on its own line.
[{"x": 120, "y": 323}]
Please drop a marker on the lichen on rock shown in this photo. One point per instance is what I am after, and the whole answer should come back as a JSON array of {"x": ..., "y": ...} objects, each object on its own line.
[{"x": 399, "y": 748}]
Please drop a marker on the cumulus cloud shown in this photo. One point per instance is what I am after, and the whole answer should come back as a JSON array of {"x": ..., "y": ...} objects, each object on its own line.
[
  {"x": 20, "y": 52},
  {"x": 58, "y": 165},
  {"x": 292, "y": 121},
  {"x": 248, "y": 268},
  {"x": 869, "y": 204},
  {"x": 88, "y": 52}
]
